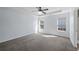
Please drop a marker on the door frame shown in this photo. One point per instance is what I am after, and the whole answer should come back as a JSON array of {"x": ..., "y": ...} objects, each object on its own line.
[{"x": 73, "y": 27}]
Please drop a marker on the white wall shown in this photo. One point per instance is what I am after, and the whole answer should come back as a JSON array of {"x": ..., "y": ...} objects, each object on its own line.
[
  {"x": 73, "y": 27},
  {"x": 50, "y": 25},
  {"x": 14, "y": 24}
]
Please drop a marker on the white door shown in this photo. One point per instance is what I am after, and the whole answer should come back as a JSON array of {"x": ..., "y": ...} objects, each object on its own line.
[{"x": 73, "y": 25}]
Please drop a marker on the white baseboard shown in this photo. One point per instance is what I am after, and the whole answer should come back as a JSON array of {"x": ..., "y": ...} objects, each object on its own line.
[{"x": 15, "y": 37}]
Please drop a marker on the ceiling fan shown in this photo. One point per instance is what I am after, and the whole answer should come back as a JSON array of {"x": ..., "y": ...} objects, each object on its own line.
[{"x": 42, "y": 10}]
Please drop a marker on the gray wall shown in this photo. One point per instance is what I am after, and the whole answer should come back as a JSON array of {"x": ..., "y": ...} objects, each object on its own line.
[
  {"x": 78, "y": 29},
  {"x": 51, "y": 24},
  {"x": 14, "y": 24}
]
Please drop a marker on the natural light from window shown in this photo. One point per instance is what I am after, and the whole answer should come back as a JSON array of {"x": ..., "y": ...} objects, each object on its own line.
[{"x": 49, "y": 36}]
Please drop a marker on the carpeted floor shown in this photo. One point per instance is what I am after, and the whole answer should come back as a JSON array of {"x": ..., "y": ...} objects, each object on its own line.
[{"x": 37, "y": 42}]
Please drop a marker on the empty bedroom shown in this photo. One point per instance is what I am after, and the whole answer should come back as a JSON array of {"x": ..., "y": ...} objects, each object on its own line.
[{"x": 38, "y": 29}]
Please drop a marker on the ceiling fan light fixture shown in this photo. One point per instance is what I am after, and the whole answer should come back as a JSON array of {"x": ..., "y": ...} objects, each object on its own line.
[{"x": 40, "y": 13}]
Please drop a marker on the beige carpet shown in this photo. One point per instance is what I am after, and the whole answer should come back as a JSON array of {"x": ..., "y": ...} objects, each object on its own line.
[{"x": 37, "y": 42}]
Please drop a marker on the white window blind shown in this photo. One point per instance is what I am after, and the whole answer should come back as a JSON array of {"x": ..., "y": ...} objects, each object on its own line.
[{"x": 61, "y": 24}]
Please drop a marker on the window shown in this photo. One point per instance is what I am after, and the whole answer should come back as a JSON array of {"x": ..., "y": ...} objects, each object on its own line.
[
  {"x": 61, "y": 24},
  {"x": 41, "y": 24}
]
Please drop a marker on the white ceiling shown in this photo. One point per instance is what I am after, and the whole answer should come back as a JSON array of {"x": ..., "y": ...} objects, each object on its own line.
[{"x": 34, "y": 10}]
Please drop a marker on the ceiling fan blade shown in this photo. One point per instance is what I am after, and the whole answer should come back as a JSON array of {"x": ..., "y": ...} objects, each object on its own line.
[
  {"x": 39, "y": 8},
  {"x": 43, "y": 12},
  {"x": 45, "y": 9}
]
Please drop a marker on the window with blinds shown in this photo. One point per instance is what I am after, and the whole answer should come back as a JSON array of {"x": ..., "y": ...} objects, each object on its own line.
[{"x": 61, "y": 24}]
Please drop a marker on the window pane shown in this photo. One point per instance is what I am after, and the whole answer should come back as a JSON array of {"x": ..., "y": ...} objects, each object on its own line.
[{"x": 61, "y": 24}]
